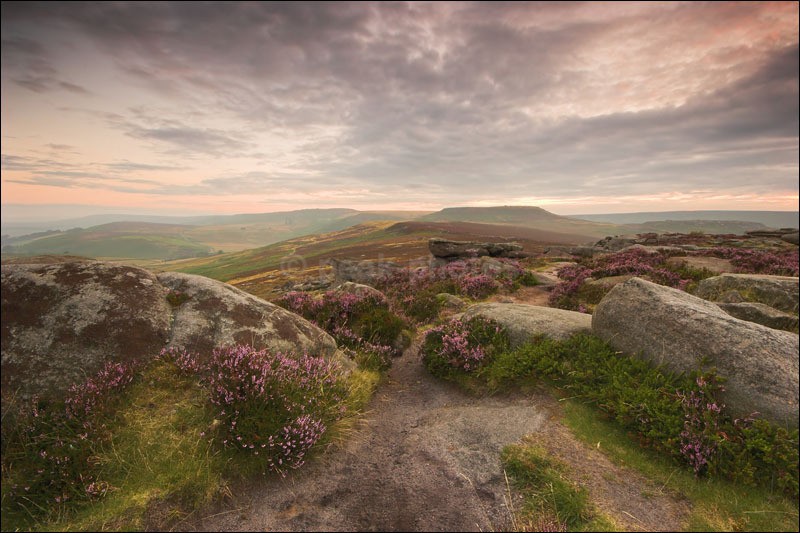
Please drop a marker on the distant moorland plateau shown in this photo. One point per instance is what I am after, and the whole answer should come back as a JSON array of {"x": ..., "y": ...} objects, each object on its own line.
[{"x": 141, "y": 237}]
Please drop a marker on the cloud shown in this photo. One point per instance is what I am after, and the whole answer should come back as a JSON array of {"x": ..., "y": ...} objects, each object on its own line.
[
  {"x": 440, "y": 100},
  {"x": 29, "y": 65}
]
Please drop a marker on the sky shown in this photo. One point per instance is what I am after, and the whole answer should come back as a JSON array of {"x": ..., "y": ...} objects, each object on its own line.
[{"x": 181, "y": 108}]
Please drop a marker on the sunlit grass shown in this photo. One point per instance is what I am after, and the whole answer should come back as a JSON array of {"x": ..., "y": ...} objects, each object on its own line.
[
  {"x": 551, "y": 500},
  {"x": 160, "y": 463}
]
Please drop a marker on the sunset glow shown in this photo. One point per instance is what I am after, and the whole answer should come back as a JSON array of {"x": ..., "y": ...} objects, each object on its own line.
[{"x": 181, "y": 108}]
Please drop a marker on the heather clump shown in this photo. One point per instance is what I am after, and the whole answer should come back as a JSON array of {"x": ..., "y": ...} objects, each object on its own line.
[
  {"x": 413, "y": 291},
  {"x": 636, "y": 262},
  {"x": 48, "y": 445},
  {"x": 271, "y": 406},
  {"x": 756, "y": 261},
  {"x": 363, "y": 322},
  {"x": 459, "y": 347},
  {"x": 573, "y": 293}
]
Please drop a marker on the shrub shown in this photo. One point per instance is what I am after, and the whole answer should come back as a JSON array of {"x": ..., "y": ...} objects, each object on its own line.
[
  {"x": 48, "y": 444},
  {"x": 750, "y": 261},
  {"x": 359, "y": 322},
  {"x": 270, "y": 405},
  {"x": 462, "y": 347},
  {"x": 412, "y": 291}
]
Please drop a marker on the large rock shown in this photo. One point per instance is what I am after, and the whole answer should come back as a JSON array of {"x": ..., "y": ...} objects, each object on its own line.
[
  {"x": 780, "y": 292},
  {"x": 526, "y": 322},
  {"x": 217, "y": 314},
  {"x": 462, "y": 249},
  {"x": 716, "y": 265},
  {"x": 793, "y": 237},
  {"x": 670, "y": 327},
  {"x": 62, "y": 322},
  {"x": 360, "y": 290},
  {"x": 761, "y": 314},
  {"x": 366, "y": 272}
]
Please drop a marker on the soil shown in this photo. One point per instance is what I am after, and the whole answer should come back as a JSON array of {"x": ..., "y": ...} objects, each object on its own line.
[{"x": 426, "y": 458}]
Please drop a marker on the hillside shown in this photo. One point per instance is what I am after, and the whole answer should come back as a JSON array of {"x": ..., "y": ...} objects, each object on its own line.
[
  {"x": 192, "y": 237},
  {"x": 773, "y": 219},
  {"x": 260, "y": 270},
  {"x": 131, "y": 240},
  {"x": 527, "y": 217}
]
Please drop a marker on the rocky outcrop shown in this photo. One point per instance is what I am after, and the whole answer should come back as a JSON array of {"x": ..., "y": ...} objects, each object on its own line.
[
  {"x": 366, "y": 272},
  {"x": 793, "y": 237},
  {"x": 63, "y": 322},
  {"x": 451, "y": 302},
  {"x": 464, "y": 249},
  {"x": 360, "y": 290},
  {"x": 526, "y": 322},
  {"x": 780, "y": 292},
  {"x": 761, "y": 314},
  {"x": 670, "y": 327},
  {"x": 714, "y": 264},
  {"x": 651, "y": 250},
  {"x": 217, "y": 314}
]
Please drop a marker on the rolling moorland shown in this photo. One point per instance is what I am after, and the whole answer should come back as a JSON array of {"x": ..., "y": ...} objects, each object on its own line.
[
  {"x": 425, "y": 431},
  {"x": 169, "y": 238}
]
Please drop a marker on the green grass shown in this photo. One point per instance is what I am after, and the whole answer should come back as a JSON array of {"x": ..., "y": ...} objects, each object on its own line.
[
  {"x": 159, "y": 467},
  {"x": 716, "y": 505},
  {"x": 551, "y": 499}
]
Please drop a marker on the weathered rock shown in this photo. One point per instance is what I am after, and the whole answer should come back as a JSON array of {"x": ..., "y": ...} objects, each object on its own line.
[
  {"x": 780, "y": 292},
  {"x": 614, "y": 244},
  {"x": 716, "y": 265},
  {"x": 761, "y": 314},
  {"x": 495, "y": 267},
  {"x": 360, "y": 290},
  {"x": 308, "y": 285},
  {"x": 451, "y": 302},
  {"x": 731, "y": 297},
  {"x": 793, "y": 237},
  {"x": 526, "y": 322},
  {"x": 671, "y": 250},
  {"x": 775, "y": 233},
  {"x": 608, "y": 282},
  {"x": 583, "y": 251},
  {"x": 62, "y": 322},
  {"x": 670, "y": 327},
  {"x": 366, "y": 272},
  {"x": 217, "y": 314},
  {"x": 464, "y": 249}
]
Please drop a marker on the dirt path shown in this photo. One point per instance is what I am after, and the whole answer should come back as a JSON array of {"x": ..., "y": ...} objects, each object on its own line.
[{"x": 426, "y": 458}]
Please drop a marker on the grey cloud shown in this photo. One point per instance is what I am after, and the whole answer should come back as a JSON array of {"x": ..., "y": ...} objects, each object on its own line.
[
  {"x": 133, "y": 166},
  {"x": 435, "y": 94}
]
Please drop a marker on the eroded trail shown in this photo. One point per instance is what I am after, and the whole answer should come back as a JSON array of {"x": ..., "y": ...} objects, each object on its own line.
[{"x": 427, "y": 458}]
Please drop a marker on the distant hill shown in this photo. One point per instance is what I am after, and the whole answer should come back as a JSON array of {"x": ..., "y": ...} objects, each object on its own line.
[
  {"x": 527, "y": 217},
  {"x": 129, "y": 240},
  {"x": 735, "y": 227},
  {"x": 182, "y": 237},
  {"x": 772, "y": 219},
  {"x": 260, "y": 270}
]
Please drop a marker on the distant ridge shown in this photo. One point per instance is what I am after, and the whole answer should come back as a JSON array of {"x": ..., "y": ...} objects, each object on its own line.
[
  {"x": 772, "y": 219},
  {"x": 507, "y": 214}
]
